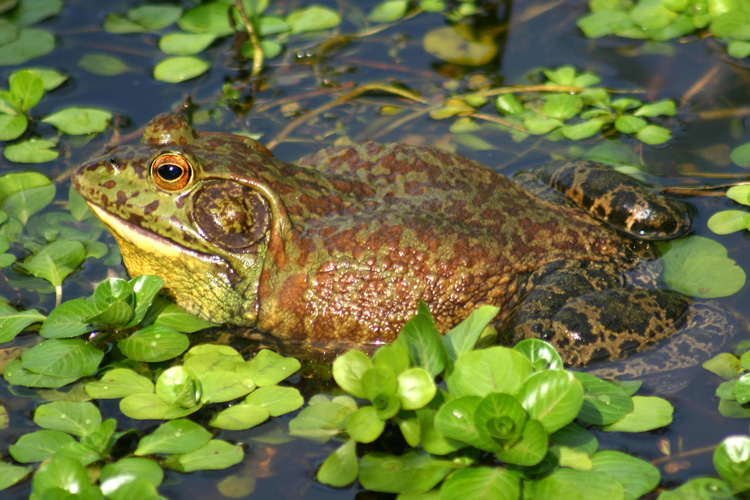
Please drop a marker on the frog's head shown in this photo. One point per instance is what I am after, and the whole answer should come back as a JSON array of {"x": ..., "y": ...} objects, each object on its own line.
[{"x": 192, "y": 208}]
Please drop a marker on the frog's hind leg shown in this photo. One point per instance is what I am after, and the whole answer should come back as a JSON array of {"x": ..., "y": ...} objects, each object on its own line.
[{"x": 584, "y": 312}]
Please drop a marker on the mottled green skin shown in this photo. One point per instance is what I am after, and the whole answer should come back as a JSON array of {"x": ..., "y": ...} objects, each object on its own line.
[{"x": 351, "y": 238}]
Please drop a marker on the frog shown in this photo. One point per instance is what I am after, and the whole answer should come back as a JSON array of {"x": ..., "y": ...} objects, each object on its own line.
[{"x": 342, "y": 246}]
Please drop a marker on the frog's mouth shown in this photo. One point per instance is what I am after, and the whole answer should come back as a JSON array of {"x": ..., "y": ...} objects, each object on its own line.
[{"x": 148, "y": 241}]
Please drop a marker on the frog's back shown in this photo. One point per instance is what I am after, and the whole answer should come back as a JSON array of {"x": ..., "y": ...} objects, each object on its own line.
[{"x": 422, "y": 224}]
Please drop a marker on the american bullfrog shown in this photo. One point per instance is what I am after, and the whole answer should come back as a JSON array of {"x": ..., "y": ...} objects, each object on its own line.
[{"x": 343, "y": 245}]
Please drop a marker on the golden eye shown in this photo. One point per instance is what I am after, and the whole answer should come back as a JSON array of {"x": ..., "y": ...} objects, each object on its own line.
[{"x": 171, "y": 172}]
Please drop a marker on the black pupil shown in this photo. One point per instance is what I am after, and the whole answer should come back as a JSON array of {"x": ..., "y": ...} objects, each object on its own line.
[{"x": 169, "y": 172}]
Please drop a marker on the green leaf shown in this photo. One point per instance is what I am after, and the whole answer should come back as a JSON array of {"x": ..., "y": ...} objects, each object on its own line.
[
  {"x": 575, "y": 437},
  {"x": 23, "y": 194},
  {"x": 637, "y": 476},
  {"x": 539, "y": 126},
  {"x": 725, "y": 365},
  {"x": 179, "y": 387},
  {"x": 603, "y": 23},
  {"x": 79, "y": 120},
  {"x": 381, "y": 388},
  {"x": 553, "y": 397},
  {"x": 603, "y": 402},
  {"x": 144, "y": 406},
  {"x": 218, "y": 386},
  {"x": 574, "y": 484},
  {"x": 416, "y": 388},
  {"x": 482, "y": 483},
  {"x": 392, "y": 357},
  {"x": 30, "y": 44},
  {"x": 654, "y": 134},
  {"x": 39, "y": 446},
  {"x": 175, "y": 436},
  {"x": 660, "y": 108},
  {"x": 180, "y": 68},
  {"x": 702, "y": 488},
  {"x": 496, "y": 369},
  {"x": 530, "y": 449},
  {"x": 509, "y": 104},
  {"x": 541, "y": 354},
  {"x": 103, "y": 64},
  {"x": 13, "y": 322},
  {"x": 62, "y": 358},
  {"x": 629, "y": 124},
  {"x": 456, "y": 420},
  {"x": 26, "y": 88},
  {"x": 740, "y": 194},
  {"x": 55, "y": 261},
  {"x": 141, "y": 467},
  {"x": 12, "y": 126},
  {"x": 740, "y": 155},
  {"x": 739, "y": 49},
  {"x": 114, "y": 23},
  {"x": 648, "y": 413},
  {"x": 562, "y": 106},
  {"x": 651, "y": 14},
  {"x": 313, "y": 18},
  {"x": 15, "y": 374},
  {"x": 31, "y": 151},
  {"x": 240, "y": 417},
  {"x": 582, "y": 130},
  {"x": 277, "y": 400},
  {"x": 154, "y": 343},
  {"x": 68, "y": 319},
  {"x": 212, "y": 17},
  {"x": 728, "y": 221},
  {"x": 388, "y": 11},
  {"x": 12, "y": 474},
  {"x": 463, "y": 337},
  {"x": 77, "y": 418},
  {"x": 348, "y": 370},
  {"x": 322, "y": 419},
  {"x": 165, "y": 313},
  {"x": 63, "y": 473},
  {"x": 185, "y": 44},
  {"x": 269, "y": 368},
  {"x": 732, "y": 461},
  {"x": 364, "y": 425},
  {"x": 154, "y": 16},
  {"x": 214, "y": 455},
  {"x": 119, "y": 383},
  {"x": 414, "y": 472},
  {"x": 419, "y": 336},
  {"x": 145, "y": 289},
  {"x": 700, "y": 267},
  {"x": 51, "y": 79},
  {"x": 340, "y": 468}
]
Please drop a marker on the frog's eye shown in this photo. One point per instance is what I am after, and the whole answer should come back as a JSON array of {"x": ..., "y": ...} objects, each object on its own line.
[{"x": 171, "y": 172}]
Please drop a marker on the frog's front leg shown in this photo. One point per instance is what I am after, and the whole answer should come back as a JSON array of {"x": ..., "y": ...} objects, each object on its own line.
[
  {"x": 583, "y": 310},
  {"x": 610, "y": 196}
]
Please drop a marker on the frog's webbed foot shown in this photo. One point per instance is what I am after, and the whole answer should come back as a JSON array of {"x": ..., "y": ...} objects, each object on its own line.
[
  {"x": 610, "y": 196},
  {"x": 584, "y": 312}
]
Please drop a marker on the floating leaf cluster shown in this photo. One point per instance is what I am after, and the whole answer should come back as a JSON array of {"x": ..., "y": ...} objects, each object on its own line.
[
  {"x": 19, "y": 40},
  {"x": 75, "y": 437},
  {"x": 511, "y": 420},
  {"x": 200, "y": 26},
  {"x": 727, "y": 20},
  {"x": 55, "y": 243},
  {"x": 26, "y": 88},
  {"x": 734, "y": 392},
  {"x": 566, "y": 105}
]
